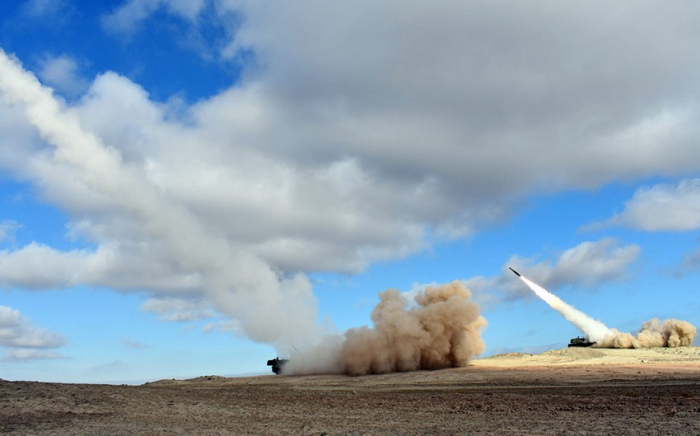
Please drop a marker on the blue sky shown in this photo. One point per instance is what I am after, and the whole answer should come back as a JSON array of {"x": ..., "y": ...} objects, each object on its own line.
[{"x": 210, "y": 183}]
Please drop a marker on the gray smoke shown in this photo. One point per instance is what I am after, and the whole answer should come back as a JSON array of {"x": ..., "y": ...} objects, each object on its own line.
[{"x": 442, "y": 330}]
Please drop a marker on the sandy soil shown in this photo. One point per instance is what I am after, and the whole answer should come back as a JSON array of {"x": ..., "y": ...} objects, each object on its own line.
[{"x": 571, "y": 391}]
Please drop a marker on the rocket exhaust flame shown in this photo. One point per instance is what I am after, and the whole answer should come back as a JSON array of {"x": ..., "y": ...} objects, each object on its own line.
[{"x": 654, "y": 333}]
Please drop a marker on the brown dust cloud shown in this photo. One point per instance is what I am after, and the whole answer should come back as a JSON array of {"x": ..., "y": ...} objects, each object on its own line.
[
  {"x": 442, "y": 329},
  {"x": 655, "y": 333}
]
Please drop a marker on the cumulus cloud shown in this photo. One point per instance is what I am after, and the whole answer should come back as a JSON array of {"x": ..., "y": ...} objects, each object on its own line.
[
  {"x": 8, "y": 229},
  {"x": 662, "y": 207},
  {"x": 25, "y": 354},
  {"x": 22, "y": 340},
  {"x": 17, "y": 331},
  {"x": 126, "y": 17},
  {"x": 588, "y": 264},
  {"x": 356, "y": 139},
  {"x": 56, "y": 10},
  {"x": 453, "y": 90},
  {"x": 228, "y": 326},
  {"x": 178, "y": 309},
  {"x": 62, "y": 74},
  {"x": 326, "y": 170},
  {"x": 272, "y": 307},
  {"x": 136, "y": 267},
  {"x": 198, "y": 25},
  {"x": 554, "y": 99}
]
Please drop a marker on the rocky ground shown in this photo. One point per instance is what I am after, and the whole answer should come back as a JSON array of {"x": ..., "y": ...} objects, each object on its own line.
[{"x": 572, "y": 391}]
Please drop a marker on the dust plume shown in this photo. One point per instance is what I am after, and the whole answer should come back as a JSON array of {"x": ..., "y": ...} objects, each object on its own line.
[
  {"x": 654, "y": 333},
  {"x": 442, "y": 330},
  {"x": 669, "y": 333}
]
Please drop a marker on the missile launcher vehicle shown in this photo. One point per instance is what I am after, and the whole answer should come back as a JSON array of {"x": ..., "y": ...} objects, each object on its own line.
[
  {"x": 277, "y": 364},
  {"x": 580, "y": 342}
]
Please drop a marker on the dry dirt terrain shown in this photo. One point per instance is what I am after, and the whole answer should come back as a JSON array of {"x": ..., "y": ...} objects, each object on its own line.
[{"x": 571, "y": 391}]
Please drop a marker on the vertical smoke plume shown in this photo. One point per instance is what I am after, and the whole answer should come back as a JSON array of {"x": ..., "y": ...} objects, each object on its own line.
[
  {"x": 443, "y": 330},
  {"x": 654, "y": 333}
]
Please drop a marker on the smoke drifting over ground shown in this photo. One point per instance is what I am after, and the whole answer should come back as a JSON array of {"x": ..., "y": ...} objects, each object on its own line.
[
  {"x": 654, "y": 333},
  {"x": 443, "y": 330}
]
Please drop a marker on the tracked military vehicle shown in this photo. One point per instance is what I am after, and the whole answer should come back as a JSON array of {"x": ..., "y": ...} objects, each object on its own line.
[
  {"x": 580, "y": 342},
  {"x": 277, "y": 364}
]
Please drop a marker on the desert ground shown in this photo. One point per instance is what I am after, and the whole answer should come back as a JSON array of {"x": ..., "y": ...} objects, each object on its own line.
[{"x": 577, "y": 391}]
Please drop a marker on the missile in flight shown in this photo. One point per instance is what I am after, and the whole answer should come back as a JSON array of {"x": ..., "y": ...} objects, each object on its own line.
[{"x": 516, "y": 273}]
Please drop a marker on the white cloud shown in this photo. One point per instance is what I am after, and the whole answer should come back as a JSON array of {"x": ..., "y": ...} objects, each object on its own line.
[
  {"x": 662, "y": 207},
  {"x": 23, "y": 340},
  {"x": 25, "y": 354},
  {"x": 588, "y": 264},
  {"x": 62, "y": 74},
  {"x": 126, "y": 17},
  {"x": 296, "y": 218},
  {"x": 227, "y": 326},
  {"x": 468, "y": 95},
  {"x": 56, "y": 10},
  {"x": 178, "y": 309},
  {"x": 8, "y": 229},
  {"x": 37, "y": 266},
  {"x": 131, "y": 13},
  {"x": 19, "y": 142},
  {"x": 133, "y": 212},
  {"x": 353, "y": 139},
  {"x": 127, "y": 266},
  {"x": 490, "y": 291},
  {"x": 348, "y": 171}
]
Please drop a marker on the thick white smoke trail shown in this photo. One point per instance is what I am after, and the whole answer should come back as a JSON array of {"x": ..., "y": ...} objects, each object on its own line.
[
  {"x": 271, "y": 309},
  {"x": 654, "y": 333},
  {"x": 594, "y": 330},
  {"x": 442, "y": 331}
]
